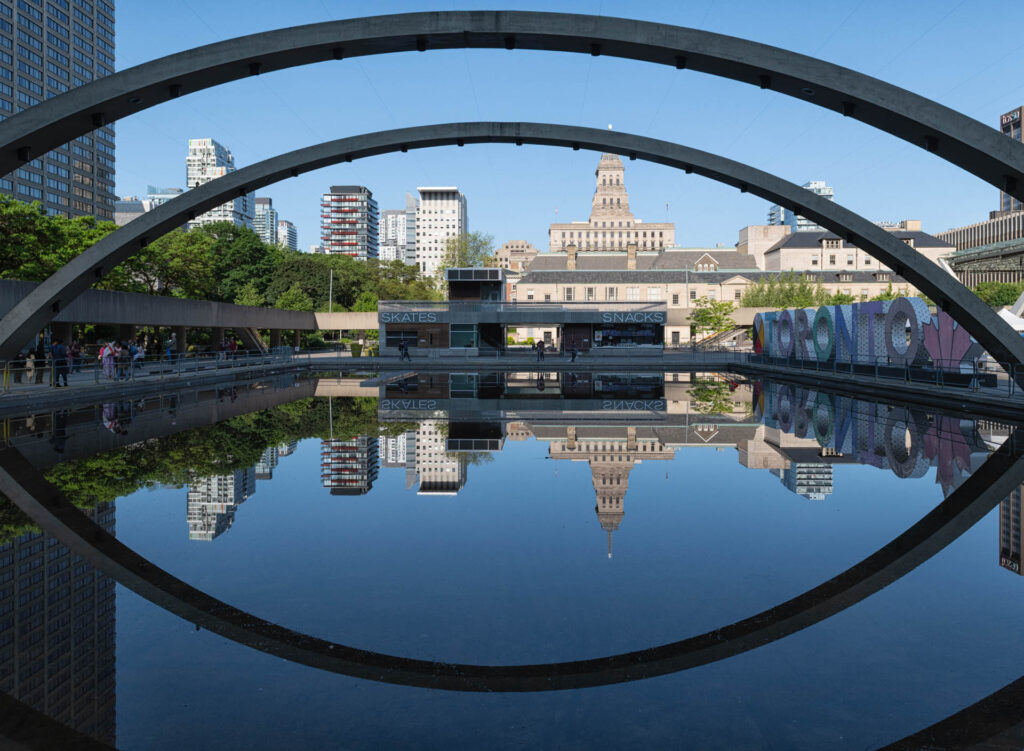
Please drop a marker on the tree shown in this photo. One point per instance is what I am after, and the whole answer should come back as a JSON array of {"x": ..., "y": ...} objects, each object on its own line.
[
  {"x": 467, "y": 250},
  {"x": 711, "y": 316},
  {"x": 367, "y": 303},
  {"x": 711, "y": 397},
  {"x": 789, "y": 290},
  {"x": 888, "y": 294},
  {"x": 294, "y": 298},
  {"x": 249, "y": 295},
  {"x": 180, "y": 264},
  {"x": 238, "y": 255},
  {"x": 998, "y": 294}
]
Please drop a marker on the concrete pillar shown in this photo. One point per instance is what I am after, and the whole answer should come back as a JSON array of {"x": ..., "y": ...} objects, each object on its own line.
[
  {"x": 181, "y": 332},
  {"x": 296, "y": 338},
  {"x": 216, "y": 337},
  {"x": 126, "y": 331},
  {"x": 275, "y": 338}
]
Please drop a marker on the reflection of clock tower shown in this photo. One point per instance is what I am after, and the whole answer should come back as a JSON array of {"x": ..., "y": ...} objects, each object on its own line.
[{"x": 611, "y": 459}]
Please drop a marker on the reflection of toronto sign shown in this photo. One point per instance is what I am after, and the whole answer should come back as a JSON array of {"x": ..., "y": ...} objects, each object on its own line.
[
  {"x": 903, "y": 440},
  {"x": 633, "y": 317},
  {"x": 901, "y": 331},
  {"x": 408, "y": 317}
]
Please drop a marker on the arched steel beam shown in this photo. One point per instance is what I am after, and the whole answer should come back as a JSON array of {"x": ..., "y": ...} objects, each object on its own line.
[
  {"x": 975, "y": 147},
  {"x": 37, "y": 308},
  {"x": 967, "y": 505}
]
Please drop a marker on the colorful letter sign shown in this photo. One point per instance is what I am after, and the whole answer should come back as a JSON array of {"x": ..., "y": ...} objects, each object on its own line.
[{"x": 900, "y": 332}]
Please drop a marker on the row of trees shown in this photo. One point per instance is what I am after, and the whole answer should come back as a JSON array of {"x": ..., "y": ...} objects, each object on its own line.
[
  {"x": 998, "y": 294},
  {"x": 218, "y": 261}
]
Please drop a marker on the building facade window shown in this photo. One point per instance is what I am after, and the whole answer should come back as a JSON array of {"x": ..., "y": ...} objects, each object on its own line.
[
  {"x": 632, "y": 294},
  {"x": 611, "y": 293},
  {"x": 568, "y": 294}
]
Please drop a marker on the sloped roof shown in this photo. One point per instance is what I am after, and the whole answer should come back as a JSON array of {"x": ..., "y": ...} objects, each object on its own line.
[{"x": 813, "y": 240}]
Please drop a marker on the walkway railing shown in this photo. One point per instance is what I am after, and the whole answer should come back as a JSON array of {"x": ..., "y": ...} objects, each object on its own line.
[{"x": 17, "y": 376}]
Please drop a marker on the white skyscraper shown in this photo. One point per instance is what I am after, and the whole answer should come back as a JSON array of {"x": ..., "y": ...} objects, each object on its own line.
[
  {"x": 265, "y": 220},
  {"x": 287, "y": 235},
  {"x": 781, "y": 215},
  {"x": 392, "y": 235},
  {"x": 212, "y": 502},
  {"x": 207, "y": 160},
  {"x": 441, "y": 214}
]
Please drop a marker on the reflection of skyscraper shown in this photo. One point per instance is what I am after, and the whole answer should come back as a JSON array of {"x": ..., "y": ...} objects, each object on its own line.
[
  {"x": 212, "y": 502},
  {"x": 265, "y": 466},
  {"x": 1010, "y": 532},
  {"x": 812, "y": 480},
  {"x": 349, "y": 467},
  {"x": 395, "y": 451},
  {"x": 440, "y": 472},
  {"x": 57, "y": 632},
  {"x": 611, "y": 453},
  {"x": 287, "y": 449}
]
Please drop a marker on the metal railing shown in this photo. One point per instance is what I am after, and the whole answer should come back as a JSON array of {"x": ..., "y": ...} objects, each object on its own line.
[
  {"x": 504, "y": 306},
  {"x": 19, "y": 375}
]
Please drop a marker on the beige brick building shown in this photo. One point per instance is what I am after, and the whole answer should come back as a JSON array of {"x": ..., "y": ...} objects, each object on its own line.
[
  {"x": 515, "y": 255},
  {"x": 612, "y": 225}
]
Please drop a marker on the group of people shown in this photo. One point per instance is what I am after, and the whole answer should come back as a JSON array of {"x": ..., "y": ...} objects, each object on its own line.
[
  {"x": 56, "y": 358},
  {"x": 121, "y": 359}
]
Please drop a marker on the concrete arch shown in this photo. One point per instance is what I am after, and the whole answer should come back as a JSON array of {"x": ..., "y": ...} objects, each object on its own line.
[
  {"x": 37, "y": 308},
  {"x": 967, "y": 505},
  {"x": 957, "y": 138}
]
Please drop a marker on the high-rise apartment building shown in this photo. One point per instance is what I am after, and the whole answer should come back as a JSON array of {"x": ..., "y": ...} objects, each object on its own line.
[
  {"x": 812, "y": 480},
  {"x": 780, "y": 215},
  {"x": 57, "y": 652},
  {"x": 348, "y": 222},
  {"x": 212, "y": 502},
  {"x": 392, "y": 235},
  {"x": 440, "y": 472},
  {"x": 46, "y": 49},
  {"x": 207, "y": 160},
  {"x": 287, "y": 235},
  {"x": 264, "y": 468},
  {"x": 440, "y": 214},
  {"x": 1010, "y": 125},
  {"x": 611, "y": 226},
  {"x": 1010, "y": 532},
  {"x": 349, "y": 466},
  {"x": 265, "y": 220},
  {"x": 411, "y": 206}
]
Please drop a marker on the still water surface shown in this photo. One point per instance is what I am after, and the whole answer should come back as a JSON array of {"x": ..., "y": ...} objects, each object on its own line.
[{"x": 579, "y": 520}]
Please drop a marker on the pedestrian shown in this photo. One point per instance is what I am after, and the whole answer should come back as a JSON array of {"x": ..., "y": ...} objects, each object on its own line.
[
  {"x": 536, "y": 348},
  {"x": 59, "y": 354},
  {"x": 572, "y": 353},
  {"x": 75, "y": 355},
  {"x": 172, "y": 345},
  {"x": 41, "y": 356},
  {"x": 405, "y": 352},
  {"x": 30, "y": 366},
  {"x": 540, "y": 349},
  {"x": 123, "y": 359},
  {"x": 107, "y": 359},
  {"x": 137, "y": 353},
  {"x": 233, "y": 346}
]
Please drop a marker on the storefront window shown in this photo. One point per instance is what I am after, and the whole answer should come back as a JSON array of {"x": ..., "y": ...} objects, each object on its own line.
[
  {"x": 463, "y": 335},
  {"x": 395, "y": 338}
]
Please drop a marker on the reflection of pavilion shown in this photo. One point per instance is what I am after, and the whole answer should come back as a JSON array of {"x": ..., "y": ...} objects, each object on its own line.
[{"x": 611, "y": 453}]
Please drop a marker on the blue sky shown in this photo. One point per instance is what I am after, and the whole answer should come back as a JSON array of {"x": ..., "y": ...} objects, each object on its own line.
[{"x": 962, "y": 53}]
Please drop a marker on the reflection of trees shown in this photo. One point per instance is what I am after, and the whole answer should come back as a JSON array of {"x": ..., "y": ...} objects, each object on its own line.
[
  {"x": 211, "y": 450},
  {"x": 710, "y": 396}
]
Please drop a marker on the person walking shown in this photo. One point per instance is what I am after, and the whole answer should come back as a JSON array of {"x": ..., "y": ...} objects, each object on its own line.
[
  {"x": 123, "y": 360},
  {"x": 405, "y": 352},
  {"x": 107, "y": 359},
  {"x": 41, "y": 356},
  {"x": 540, "y": 350},
  {"x": 59, "y": 353},
  {"x": 75, "y": 356},
  {"x": 572, "y": 353},
  {"x": 18, "y": 366}
]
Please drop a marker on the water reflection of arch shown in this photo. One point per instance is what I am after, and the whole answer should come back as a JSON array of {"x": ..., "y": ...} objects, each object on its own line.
[
  {"x": 978, "y": 494},
  {"x": 42, "y": 304}
]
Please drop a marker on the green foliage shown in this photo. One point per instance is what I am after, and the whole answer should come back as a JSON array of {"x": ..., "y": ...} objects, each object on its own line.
[
  {"x": 468, "y": 250},
  {"x": 710, "y": 396},
  {"x": 888, "y": 294},
  {"x": 367, "y": 303},
  {"x": 790, "y": 290},
  {"x": 998, "y": 294},
  {"x": 711, "y": 316},
  {"x": 356, "y": 349},
  {"x": 294, "y": 298},
  {"x": 249, "y": 295}
]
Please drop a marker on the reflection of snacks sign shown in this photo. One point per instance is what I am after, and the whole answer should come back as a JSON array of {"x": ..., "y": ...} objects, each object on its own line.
[
  {"x": 901, "y": 332},
  {"x": 656, "y": 405}
]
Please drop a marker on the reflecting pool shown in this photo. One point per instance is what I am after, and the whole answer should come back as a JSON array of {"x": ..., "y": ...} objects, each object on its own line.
[{"x": 511, "y": 560}]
